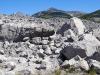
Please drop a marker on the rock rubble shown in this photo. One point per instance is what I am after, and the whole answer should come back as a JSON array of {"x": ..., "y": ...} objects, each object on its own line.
[{"x": 29, "y": 45}]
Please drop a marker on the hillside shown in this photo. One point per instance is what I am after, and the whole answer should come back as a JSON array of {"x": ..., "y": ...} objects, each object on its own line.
[
  {"x": 51, "y": 13},
  {"x": 94, "y": 16}
]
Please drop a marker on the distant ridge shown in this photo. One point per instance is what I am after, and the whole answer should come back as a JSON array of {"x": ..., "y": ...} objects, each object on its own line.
[
  {"x": 53, "y": 12},
  {"x": 94, "y": 16}
]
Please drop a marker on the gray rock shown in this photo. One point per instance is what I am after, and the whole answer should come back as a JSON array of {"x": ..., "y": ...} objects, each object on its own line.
[
  {"x": 10, "y": 66},
  {"x": 24, "y": 72},
  {"x": 77, "y": 62},
  {"x": 45, "y": 42},
  {"x": 24, "y": 54},
  {"x": 36, "y": 40},
  {"x": 58, "y": 45},
  {"x": 2, "y": 59},
  {"x": 48, "y": 51},
  {"x": 95, "y": 64},
  {"x": 77, "y": 26},
  {"x": 89, "y": 43},
  {"x": 53, "y": 48},
  {"x": 26, "y": 39},
  {"x": 52, "y": 43},
  {"x": 45, "y": 38},
  {"x": 70, "y": 52},
  {"x": 58, "y": 50},
  {"x": 2, "y": 52},
  {"x": 42, "y": 66},
  {"x": 70, "y": 35}
]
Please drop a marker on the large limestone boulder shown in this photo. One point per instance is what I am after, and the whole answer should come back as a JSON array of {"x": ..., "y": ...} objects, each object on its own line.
[
  {"x": 77, "y": 62},
  {"x": 13, "y": 31},
  {"x": 77, "y": 26},
  {"x": 89, "y": 43},
  {"x": 70, "y": 51},
  {"x": 87, "y": 47}
]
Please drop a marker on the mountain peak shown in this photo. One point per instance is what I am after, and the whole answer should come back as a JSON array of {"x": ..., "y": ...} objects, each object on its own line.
[
  {"x": 51, "y": 13},
  {"x": 54, "y": 12}
]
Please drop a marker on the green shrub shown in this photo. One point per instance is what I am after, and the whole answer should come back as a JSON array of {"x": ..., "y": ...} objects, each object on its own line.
[
  {"x": 58, "y": 72},
  {"x": 92, "y": 71}
]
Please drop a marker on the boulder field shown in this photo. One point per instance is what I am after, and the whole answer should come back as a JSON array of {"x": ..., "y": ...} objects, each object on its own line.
[{"x": 35, "y": 46}]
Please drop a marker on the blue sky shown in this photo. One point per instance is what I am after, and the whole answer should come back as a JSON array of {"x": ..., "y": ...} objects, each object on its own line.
[{"x": 33, "y": 6}]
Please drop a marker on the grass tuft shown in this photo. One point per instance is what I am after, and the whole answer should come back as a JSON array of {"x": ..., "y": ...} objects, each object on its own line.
[
  {"x": 92, "y": 71},
  {"x": 58, "y": 72}
]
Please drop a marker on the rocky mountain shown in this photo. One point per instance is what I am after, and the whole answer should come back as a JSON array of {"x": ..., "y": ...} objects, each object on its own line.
[
  {"x": 94, "y": 16},
  {"x": 51, "y": 13},
  {"x": 53, "y": 46}
]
